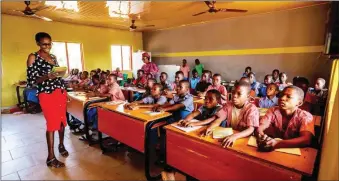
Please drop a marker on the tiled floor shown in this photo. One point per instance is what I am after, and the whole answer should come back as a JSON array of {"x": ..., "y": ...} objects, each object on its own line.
[{"x": 24, "y": 152}]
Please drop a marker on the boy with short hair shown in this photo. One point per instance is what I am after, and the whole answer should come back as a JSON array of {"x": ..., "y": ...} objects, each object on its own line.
[
  {"x": 263, "y": 86},
  {"x": 287, "y": 121},
  {"x": 185, "y": 69},
  {"x": 194, "y": 80},
  {"x": 317, "y": 97},
  {"x": 203, "y": 84},
  {"x": 217, "y": 86}
]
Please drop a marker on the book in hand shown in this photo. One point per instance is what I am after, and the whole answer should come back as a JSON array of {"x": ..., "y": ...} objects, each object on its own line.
[
  {"x": 220, "y": 132},
  {"x": 59, "y": 71},
  {"x": 187, "y": 129},
  {"x": 293, "y": 151}
]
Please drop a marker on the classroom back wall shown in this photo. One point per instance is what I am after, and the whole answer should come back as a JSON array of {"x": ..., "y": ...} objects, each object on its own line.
[
  {"x": 290, "y": 41},
  {"x": 18, "y": 42}
]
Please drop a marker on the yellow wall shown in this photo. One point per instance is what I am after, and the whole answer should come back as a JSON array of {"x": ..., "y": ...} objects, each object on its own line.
[
  {"x": 18, "y": 41},
  {"x": 329, "y": 155}
]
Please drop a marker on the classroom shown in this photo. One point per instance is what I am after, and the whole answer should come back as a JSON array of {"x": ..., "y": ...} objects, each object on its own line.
[{"x": 169, "y": 90}]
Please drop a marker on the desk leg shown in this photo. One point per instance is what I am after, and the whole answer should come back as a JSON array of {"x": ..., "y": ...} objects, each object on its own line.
[
  {"x": 89, "y": 138},
  {"x": 18, "y": 95},
  {"x": 148, "y": 131}
]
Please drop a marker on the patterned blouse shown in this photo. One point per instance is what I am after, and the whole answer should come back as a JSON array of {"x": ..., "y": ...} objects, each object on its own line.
[{"x": 39, "y": 68}]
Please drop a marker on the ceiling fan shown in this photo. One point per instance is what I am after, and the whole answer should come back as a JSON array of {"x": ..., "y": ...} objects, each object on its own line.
[
  {"x": 133, "y": 27},
  {"x": 213, "y": 9},
  {"x": 31, "y": 11}
]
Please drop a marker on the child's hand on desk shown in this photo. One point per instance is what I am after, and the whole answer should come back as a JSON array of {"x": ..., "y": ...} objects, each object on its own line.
[
  {"x": 158, "y": 109},
  {"x": 206, "y": 132},
  {"x": 262, "y": 142},
  {"x": 229, "y": 140}
]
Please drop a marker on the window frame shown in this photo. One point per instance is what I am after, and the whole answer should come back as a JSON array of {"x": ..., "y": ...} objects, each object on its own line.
[
  {"x": 130, "y": 57},
  {"x": 67, "y": 58}
]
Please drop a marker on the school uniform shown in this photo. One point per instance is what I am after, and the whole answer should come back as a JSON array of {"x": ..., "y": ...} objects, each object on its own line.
[
  {"x": 262, "y": 90},
  {"x": 194, "y": 82},
  {"x": 221, "y": 89},
  {"x": 255, "y": 86},
  {"x": 265, "y": 102},
  {"x": 166, "y": 85},
  {"x": 187, "y": 101},
  {"x": 151, "y": 100},
  {"x": 300, "y": 121},
  {"x": 202, "y": 86},
  {"x": 240, "y": 119},
  {"x": 317, "y": 101}
]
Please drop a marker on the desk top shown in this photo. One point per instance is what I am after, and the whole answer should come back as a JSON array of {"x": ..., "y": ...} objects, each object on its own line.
[
  {"x": 303, "y": 164},
  {"x": 137, "y": 114},
  {"x": 81, "y": 96}
]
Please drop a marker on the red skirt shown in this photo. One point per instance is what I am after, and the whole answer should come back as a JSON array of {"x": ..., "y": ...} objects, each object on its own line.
[{"x": 53, "y": 106}]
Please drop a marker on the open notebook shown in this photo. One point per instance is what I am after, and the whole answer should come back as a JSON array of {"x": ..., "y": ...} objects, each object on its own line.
[
  {"x": 116, "y": 102},
  {"x": 293, "y": 151},
  {"x": 152, "y": 113},
  {"x": 187, "y": 129},
  {"x": 220, "y": 132}
]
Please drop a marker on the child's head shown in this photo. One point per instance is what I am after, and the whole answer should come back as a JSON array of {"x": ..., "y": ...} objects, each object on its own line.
[
  {"x": 149, "y": 76},
  {"x": 197, "y": 61},
  {"x": 216, "y": 79},
  {"x": 251, "y": 77},
  {"x": 302, "y": 83},
  {"x": 163, "y": 77},
  {"x": 291, "y": 98},
  {"x": 151, "y": 82},
  {"x": 93, "y": 72},
  {"x": 108, "y": 72},
  {"x": 245, "y": 79},
  {"x": 104, "y": 75},
  {"x": 84, "y": 75},
  {"x": 179, "y": 75},
  {"x": 98, "y": 70},
  {"x": 183, "y": 87},
  {"x": 319, "y": 84},
  {"x": 156, "y": 90},
  {"x": 275, "y": 74},
  {"x": 241, "y": 94},
  {"x": 283, "y": 77},
  {"x": 111, "y": 79},
  {"x": 204, "y": 77},
  {"x": 268, "y": 79},
  {"x": 248, "y": 70},
  {"x": 272, "y": 89},
  {"x": 212, "y": 98},
  {"x": 117, "y": 69},
  {"x": 195, "y": 73},
  {"x": 184, "y": 62},
  {"x": 75, "y": 71},
  {"x": 95, "y": 79},
  {"x": 140, "y": 73}
]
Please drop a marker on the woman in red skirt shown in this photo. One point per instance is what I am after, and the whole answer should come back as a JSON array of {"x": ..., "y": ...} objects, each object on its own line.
[{"x": 51, "y": 92}]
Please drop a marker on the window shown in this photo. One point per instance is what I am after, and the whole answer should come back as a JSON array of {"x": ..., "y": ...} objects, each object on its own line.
[
  {"x": 68, "y": 54},
  {"x": 121, "y": 57}
]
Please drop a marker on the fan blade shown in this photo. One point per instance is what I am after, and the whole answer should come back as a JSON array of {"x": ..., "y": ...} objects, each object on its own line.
[
  {"x": 232, "y": 10},
  {"x": 42, "y": 17},
  {"x": 18, "y": 11},
  {"x": 200, "y": 13},
  {"x": 39, "y": 8}
]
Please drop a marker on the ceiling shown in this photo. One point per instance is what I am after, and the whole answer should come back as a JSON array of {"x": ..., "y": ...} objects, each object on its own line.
[{"x": 161, "y": 14}]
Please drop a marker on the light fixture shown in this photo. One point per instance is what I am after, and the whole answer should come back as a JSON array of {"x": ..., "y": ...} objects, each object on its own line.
[
  {"x": 70, "y": 5},
  {"x": 122, "y": 9}
]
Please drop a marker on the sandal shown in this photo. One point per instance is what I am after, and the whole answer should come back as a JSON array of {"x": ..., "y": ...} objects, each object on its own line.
[
  {"x": 54, "y": 163},
  {"x": 63, "y": 151}
]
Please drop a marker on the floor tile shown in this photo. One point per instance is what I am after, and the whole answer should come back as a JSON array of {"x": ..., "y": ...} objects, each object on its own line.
[
  {"x": 5, "y": 156},
  {"x": 16, "y": 165},
  {"x": 13, "y": 176}
]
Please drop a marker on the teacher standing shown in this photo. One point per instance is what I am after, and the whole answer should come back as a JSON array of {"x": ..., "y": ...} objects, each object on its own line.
[
  {"x": 51, "y": 92},
  {"x": 149, "y": 67}
]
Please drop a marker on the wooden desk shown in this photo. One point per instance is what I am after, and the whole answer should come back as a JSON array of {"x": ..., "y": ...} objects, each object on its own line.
[
  {"x": 205, "y": 159},
  {"x": 131, "y": 127},
  {"x": 77, "y": 106},
  {"x": 18, "y": 86}
]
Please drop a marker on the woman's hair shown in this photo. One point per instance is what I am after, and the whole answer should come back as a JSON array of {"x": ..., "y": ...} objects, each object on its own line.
[{"x": 42, "y": 35}]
